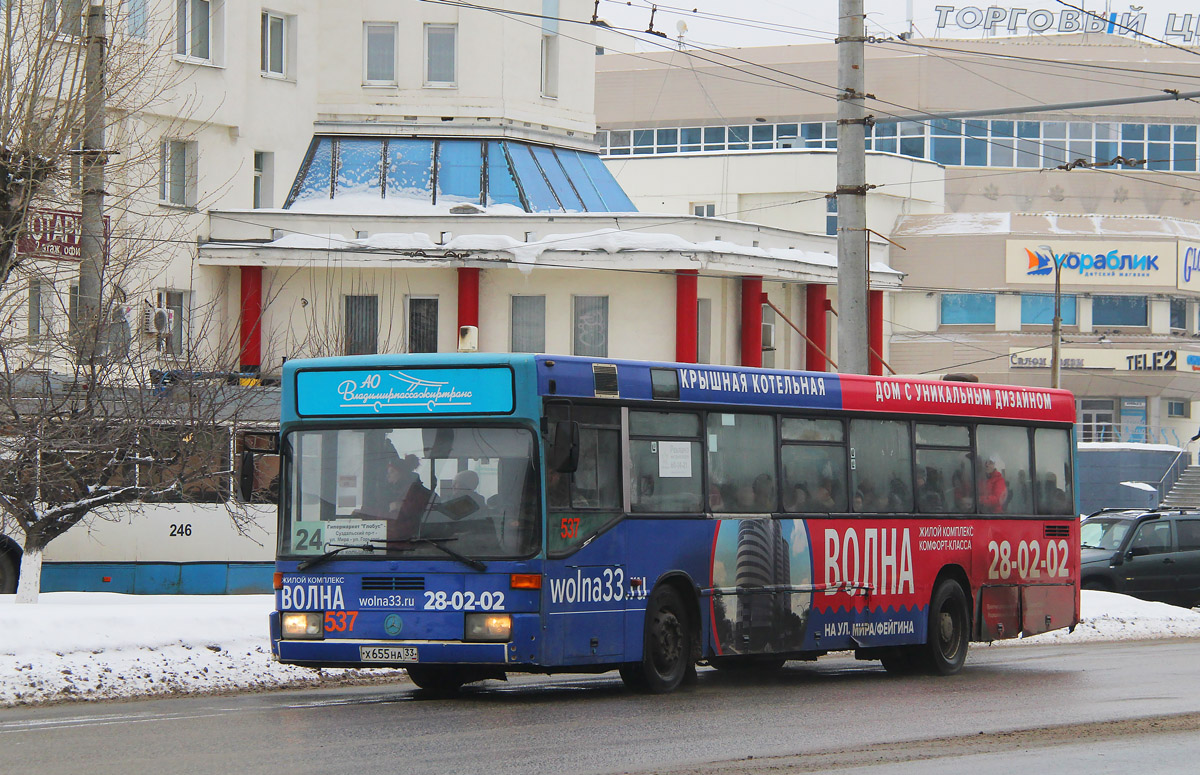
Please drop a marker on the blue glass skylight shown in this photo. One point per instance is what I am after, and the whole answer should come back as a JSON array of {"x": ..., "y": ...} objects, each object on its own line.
[{"x": 430, "y": 172}]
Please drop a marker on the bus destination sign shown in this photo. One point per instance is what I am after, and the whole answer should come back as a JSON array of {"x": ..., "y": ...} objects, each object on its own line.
[{"x": 412, "y": 391}]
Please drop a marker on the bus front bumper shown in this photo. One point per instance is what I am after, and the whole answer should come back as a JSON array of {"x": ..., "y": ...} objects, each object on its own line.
[{"x": 393, "y": 653}]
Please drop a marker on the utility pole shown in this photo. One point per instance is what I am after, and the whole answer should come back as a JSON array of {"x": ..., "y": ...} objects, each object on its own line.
[
  {"x": 1056, "y": 327},
  {"x": 852, "y": 191},
  {"x": 90, "y": 319}
]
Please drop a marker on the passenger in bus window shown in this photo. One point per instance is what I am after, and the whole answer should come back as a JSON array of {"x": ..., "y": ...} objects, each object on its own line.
[
  {"x": 763, "y": 493},
  {"x": 401, "y": 474},
  {"x": 823, "y": 498},
  {"x": 797, "y": 500},
  {"x": 465, "y": 484},
  {"x": 964, "y": 498},
  {"x": 929, "y": 490},
  {"x": 993, "y": 490}
]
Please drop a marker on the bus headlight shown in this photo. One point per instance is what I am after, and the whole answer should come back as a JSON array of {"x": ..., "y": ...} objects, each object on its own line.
[
  {"x": 488, "y": 627},
  {"x": 303, "y": 626}
]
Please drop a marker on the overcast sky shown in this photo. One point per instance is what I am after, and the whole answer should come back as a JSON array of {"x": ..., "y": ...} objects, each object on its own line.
[{"x": 773, "y": 22}]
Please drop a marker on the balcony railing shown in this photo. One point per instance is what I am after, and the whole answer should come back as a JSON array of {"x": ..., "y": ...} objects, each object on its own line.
[{"x": 1129, "y": 433}]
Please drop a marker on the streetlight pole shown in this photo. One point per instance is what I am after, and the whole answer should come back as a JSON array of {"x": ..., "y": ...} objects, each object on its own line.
[{"x": 1056, "y": 328}]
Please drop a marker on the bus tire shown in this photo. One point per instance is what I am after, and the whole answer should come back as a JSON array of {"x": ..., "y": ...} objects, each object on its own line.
[
  {"x": 10, "y": 568},
  {"x": 436, "y": 679},
  {"x": 666, "y": 646},
  {"x": 948, "y": 632}
]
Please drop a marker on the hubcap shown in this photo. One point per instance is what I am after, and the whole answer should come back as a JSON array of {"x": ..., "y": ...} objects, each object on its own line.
[
  {"x": 947, "y": 634},
  {"x": 668, "y": 639}
]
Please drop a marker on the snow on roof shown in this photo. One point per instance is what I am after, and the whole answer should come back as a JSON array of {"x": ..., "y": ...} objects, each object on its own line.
[
  {"x": 608, "y": 240},
  {"x": 99, "y": 645},
  {"x": 953, "y": 223},
  {"x": 1047, "y": 224}
]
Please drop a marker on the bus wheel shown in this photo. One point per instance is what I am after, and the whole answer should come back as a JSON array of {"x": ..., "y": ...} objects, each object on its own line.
[
  {"x": 947, "y": 636},
  {"x": 9, "y": 564},
  {"x": 667, "y": 647},
  {"x": 436, "y": 679}
]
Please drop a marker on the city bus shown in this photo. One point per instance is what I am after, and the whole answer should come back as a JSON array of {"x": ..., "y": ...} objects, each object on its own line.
[{"x": 464, "y": 516}]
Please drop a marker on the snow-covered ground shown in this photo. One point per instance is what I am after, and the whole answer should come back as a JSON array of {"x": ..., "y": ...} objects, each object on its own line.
[{"x": 93, "y": 645}]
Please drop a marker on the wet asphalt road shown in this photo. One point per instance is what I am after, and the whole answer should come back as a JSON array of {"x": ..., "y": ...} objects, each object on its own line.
[{"x": 835, "y": 714}]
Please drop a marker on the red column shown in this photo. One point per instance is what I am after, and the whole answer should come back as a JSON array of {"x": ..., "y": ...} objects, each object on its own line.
[
  {"x": 814, "y": 325},
  {"x": 875, "y": 333},
  {"x": 685, "y": 315},
  {"x": 468, "y": 296},
  {"x": 251, "y": 330},
  {"x": 752, "y": 296}
]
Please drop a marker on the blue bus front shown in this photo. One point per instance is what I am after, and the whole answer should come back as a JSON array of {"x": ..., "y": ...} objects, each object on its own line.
[{"x": 410, "y": 521}]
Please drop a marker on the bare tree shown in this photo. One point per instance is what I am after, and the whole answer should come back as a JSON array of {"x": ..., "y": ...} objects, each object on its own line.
[{"x": 139, "y": 402}]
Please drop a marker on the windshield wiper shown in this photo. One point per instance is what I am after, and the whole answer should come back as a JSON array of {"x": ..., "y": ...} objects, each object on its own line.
[
  {"x": 437, "y": 543},
  {"x": 338, "y": 549}
]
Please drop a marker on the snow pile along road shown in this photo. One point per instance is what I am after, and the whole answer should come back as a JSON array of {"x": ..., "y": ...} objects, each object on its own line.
[
  {"x": 1107, "y": 616},
  {"x": 99, "y": 645},
  {"x": 95, "y": 645}
]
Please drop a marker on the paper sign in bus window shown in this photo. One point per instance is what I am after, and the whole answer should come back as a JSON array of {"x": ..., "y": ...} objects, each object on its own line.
[{"x": 674, "y": 460}]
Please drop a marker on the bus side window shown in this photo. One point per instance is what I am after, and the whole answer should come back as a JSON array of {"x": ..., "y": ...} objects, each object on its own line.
[
  {"x": 944, "y": 482},
  {"x": 666, "y": 462},
  {"x": 741, "y": 463},
  {"x": 583, "y": 503},
  {"x": 1052, "y": 456},
  {"x": 1002, "y": 454},
  {"x": 882, "y": 476},
  {"x": 814, "y": 466}
]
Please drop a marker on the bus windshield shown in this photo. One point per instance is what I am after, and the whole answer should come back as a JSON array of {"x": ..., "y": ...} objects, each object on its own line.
[{"x": 401, "y": 490}]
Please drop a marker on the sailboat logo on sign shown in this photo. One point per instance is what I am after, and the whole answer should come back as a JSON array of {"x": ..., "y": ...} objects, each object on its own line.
[{"x": 1040, "y": 263}]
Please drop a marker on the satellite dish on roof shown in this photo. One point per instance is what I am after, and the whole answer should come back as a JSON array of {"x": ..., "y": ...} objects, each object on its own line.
[{"x": 681, "y": 27}]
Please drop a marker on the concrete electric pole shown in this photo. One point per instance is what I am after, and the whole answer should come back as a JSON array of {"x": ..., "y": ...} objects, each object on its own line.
[
  {"x": 90, "y": 318},
  {"x": 851, "y": 191}
]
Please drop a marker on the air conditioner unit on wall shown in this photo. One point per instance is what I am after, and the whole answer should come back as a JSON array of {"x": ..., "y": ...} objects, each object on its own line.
[{"x": 158, "y": 321}]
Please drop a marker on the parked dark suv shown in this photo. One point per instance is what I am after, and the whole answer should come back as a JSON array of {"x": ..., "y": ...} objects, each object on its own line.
[{"x": 1154, "y": 555}]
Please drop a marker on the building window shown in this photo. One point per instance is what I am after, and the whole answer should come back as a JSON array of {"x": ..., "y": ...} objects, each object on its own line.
[
  {"x": 274, "y": 44},
  {"x": 65, "y": 17},
  {"x": 1037, "y": 309},
  {"x": 422, "y": 324},
  {"x": 1179, "y": 314},
  {"x": 174, "y": 342},
  {"x": 178, "y": 179},
  {"x": 193, "y": 33},
  {"x": 831, "y": 216},
  {"x": 550, "y": 65},
  {"x": 264, "y": 179},
  {"x": 1179, "y": 407},
  {"x": 379, "y": 54},
  {"x": 35, "y": 310},
  {"x": 1119, "y": 311},
  {"x": 440, "y": 45},
  {"x": 528, "y": 324},
  {"x": 590, "y": 326},
  {"x": 968, "y": 309},
  {"x": 136, "y": 21},
  {"x": 704, "y": 209},
  {"x": 362, "y": 325}
]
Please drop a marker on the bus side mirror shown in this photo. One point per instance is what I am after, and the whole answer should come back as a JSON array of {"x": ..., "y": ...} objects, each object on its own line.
[{"x": 563, "y": 455}]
